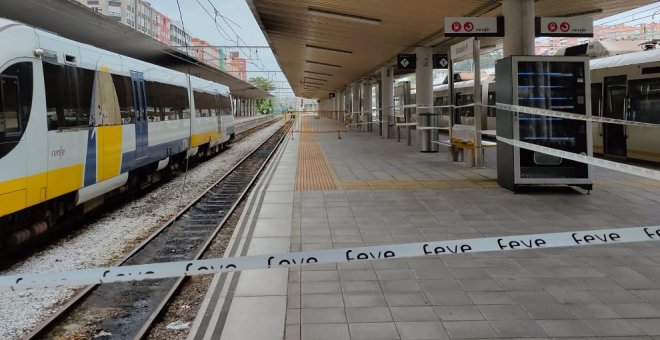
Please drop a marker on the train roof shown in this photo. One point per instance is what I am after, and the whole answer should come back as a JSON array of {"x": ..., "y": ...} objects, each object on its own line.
[{"x": 626, "y": 59}]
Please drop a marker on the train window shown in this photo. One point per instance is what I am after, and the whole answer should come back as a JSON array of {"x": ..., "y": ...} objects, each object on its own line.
[
  {"x": 9, "y": 118},
  {"x": 644, "y": 100},
  {"x": 125, "y": 98},
  {"x": 204, "y": 104},
  {"x": 68, "y": 95},
  {"x": 15, "y": 104},
  {"x": 166, "y": 102},
  {"x": 224, "y": 105}
]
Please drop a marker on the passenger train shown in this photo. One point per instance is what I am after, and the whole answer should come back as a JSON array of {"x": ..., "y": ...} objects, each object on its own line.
[
  {"x": 624, "y": 87},
  {"x": 79, "y": 124}
]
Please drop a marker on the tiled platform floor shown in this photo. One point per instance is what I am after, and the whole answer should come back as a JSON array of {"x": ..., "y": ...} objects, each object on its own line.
[{"x": 589, "y": 292}]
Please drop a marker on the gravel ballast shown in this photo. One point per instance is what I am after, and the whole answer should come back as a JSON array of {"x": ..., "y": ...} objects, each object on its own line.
[{"x": 111, "y": 236}]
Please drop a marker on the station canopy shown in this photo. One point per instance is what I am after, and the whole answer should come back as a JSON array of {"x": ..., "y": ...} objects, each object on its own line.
[
  {"x": 75, "y": 21},
  {"x": 322, "y": 45}
]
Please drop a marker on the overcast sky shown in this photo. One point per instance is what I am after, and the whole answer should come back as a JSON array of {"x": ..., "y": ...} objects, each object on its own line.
[{"x": 202, "y": 25}]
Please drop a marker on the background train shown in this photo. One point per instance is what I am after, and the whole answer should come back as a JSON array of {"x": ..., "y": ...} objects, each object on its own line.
[
  {"x": 624, "y": 87},
  {"x": 79, "y": 124}
]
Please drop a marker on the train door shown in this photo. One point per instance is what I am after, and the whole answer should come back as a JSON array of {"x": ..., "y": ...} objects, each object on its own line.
[
  {"x": 614, "y": 135},
  {"x": 141, "y": 120},
  {"x": 597, "y": 111}
]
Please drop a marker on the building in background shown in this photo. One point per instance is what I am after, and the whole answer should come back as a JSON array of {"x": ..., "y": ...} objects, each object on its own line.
[
  {"x": 141, "y": 16},
  {"x": 221, "y": 60},
  {"x": 162, "y": 28},
  {"x": 204, "y": 52},
  {"x": 239, "y": 64},
  {"x": 178, "y": 36},
  {"x": 134, "y": 13}
]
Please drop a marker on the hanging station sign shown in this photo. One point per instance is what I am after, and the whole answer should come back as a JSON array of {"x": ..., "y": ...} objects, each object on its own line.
[
  {"x": 406, "y": 62},
  {"x": 474, "y": 26},
  {"x": 581, "y": 26},
  {"x": 440, "y": 61}
]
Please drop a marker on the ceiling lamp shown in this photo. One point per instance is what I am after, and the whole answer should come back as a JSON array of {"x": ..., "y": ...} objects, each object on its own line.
[
  {"x": 349, "y": 17},
  {"x": 320, "y": 63},
  {"x": 319, "y": 73},
  {"x": 329, "y": 49}
]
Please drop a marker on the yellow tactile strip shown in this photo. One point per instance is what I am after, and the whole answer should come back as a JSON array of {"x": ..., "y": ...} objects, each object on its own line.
[{"x": 314, "y": 171}]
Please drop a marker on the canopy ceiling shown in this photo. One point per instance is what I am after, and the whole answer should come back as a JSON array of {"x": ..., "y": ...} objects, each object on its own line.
[{"x": 320, "y": 51}]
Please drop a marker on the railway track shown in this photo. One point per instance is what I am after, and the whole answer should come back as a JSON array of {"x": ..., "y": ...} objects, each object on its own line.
[{"x": 127, "y": 310}]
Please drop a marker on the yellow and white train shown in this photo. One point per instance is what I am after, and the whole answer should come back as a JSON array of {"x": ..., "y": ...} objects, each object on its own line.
[{"x": 78, "y": 124}]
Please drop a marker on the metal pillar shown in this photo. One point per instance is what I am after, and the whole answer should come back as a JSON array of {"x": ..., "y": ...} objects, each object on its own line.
[
  {"x": 424, "y": 97},
  {"x": 518, "y": 27},
  {"x": 355, "y": 107},
  {"x": 366, "y": 106},
  {"x": 478, "y": 109},
  {"x": 387, "y": 99}
]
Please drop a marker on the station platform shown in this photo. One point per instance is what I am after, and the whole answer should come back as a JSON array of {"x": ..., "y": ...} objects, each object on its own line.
[{"x": 322, "y": 192}]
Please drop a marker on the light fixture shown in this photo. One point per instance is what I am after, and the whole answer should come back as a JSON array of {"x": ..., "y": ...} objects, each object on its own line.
[
  {"x": 319, "y": 79},
  {"x": 328, "y": 49},
  {"x": 312, "y": 83},
  {"x": 320, "y": 63},
  {"x": 319, "y": 73},
  {"x": 336, "y": 15}
]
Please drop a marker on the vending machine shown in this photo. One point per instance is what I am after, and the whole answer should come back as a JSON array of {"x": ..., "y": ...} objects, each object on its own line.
[{"x": 553, "y": 83}]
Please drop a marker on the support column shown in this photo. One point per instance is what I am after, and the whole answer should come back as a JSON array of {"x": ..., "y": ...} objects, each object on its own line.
[
  {"x": 387, "y": 99},
  {"x": 356, "y": 104},
  {"x": 518, "y": 27},
  {"x": 342, "y": 105},
  {"x": 424, "y": 97},
  {"x": 335, "y": 105},
  {"x": 366, "y": 106}
]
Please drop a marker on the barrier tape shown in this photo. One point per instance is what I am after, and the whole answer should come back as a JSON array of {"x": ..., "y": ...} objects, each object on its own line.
[
  {"x": 283, "y": 260},
  {"x": 560, "y": 114},
  {"x": 602, "y": 163},
  {"x": 532, "y": 111}
]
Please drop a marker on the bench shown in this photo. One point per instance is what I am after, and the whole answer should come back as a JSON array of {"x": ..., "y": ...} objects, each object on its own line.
[{"x": 463, "y": 139}]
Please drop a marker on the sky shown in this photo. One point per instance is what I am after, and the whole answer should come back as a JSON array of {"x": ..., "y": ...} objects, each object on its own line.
[
  {"x": 239, "y": 18},
  {"x": 241, "y": 22}
]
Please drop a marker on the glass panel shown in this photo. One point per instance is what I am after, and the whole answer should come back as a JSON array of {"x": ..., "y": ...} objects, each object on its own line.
[
  {"x": 9, "y": 115},
  {"x": 645, "y": 100},
  {"x": 558, "y": 86},
  {"x": 124, "y": 97}
]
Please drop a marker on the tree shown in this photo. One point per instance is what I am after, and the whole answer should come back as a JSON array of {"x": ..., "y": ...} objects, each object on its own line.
[{"x": 264, "y": 105}]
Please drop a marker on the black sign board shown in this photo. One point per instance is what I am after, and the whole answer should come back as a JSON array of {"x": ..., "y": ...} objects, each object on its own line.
[
  {"x": 440, "y": 61},
  {"x": 406, "y": 62}
]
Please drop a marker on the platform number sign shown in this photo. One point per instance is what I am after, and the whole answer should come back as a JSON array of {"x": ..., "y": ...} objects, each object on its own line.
[
  {"x": 440, "y": 61},
  {"x": 582, "y": 26},
  {"x": 406, "y": 62}
]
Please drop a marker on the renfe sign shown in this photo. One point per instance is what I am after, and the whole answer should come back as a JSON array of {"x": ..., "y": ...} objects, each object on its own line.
[
  {"x": 582, "y": 26},
  {"x": 474, "y": 26}
]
